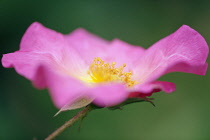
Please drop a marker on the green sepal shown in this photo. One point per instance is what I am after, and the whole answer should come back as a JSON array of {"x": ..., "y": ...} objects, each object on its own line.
[
  {"x": 130, "y": 101},
  {"x": 93, "y": 106}
]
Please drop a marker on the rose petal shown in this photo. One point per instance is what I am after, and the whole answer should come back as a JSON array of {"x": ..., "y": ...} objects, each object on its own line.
[
  {"x": 108, "y": 94},
  {"x": 183, "y": 51},
  {"x": 41, "y": 46},
  {"x": 124, "y": 53},
  {"x": 148, "y": 89},
  {"x": 167, "y": 87},
  {"x": 64, "y": 90},
  {"x": 41, "y": 39},
  {"x": 88, "y": 45},
  {"x": 26, "y": 63}
]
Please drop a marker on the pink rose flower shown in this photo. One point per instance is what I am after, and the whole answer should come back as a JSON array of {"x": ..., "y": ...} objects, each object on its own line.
[{"x": 81, "y": 68}]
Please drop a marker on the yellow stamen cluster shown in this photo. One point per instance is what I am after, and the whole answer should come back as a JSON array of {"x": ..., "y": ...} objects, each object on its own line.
[{"x": 105, "y": 72}]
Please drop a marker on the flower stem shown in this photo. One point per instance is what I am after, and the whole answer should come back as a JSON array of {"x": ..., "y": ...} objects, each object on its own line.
[{"x": 69, "y": 123}]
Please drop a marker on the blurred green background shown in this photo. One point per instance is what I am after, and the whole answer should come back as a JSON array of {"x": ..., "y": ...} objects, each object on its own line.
[{"x": 27, "y": 113}]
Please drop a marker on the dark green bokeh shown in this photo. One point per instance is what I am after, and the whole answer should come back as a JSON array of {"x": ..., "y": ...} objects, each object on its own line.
[{"x": 27, "y": 113}]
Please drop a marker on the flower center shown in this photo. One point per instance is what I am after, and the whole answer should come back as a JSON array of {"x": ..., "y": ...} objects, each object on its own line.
[{"x": 100, "y": 71}]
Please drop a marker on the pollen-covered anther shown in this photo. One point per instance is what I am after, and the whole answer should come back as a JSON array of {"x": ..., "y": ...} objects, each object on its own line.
[{"x": 100, "y": 71}]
